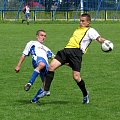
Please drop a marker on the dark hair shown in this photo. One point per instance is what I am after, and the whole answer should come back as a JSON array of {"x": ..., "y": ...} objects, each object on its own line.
[
  {"x": 86, "y": 15},
  {"x": 40, "y": 31}
]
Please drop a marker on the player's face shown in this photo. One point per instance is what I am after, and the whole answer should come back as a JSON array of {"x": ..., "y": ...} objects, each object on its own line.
[
  {"x": 84, "y": 22},
  {"x": 41, "y": 37}
]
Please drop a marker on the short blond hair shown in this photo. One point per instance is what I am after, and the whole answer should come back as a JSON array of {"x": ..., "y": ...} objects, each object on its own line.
[{"x": 38, "y": 31}]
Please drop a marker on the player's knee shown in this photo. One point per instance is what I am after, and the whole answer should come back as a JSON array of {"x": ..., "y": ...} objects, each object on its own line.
[
  {"x": 51, "y": 68},
  {"x": 41, "y": 65},
  {"x": 76, "y": 77},
  {"x": 54, "y": 65}
]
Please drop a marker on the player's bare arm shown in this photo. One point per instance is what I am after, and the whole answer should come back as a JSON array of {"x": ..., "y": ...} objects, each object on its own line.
[
  {"x": 17, "y": 68},
  {"x": 100, "y": 39}
]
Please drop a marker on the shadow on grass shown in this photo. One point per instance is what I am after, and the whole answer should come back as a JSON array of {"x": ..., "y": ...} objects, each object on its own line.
[
  {"x": 57, "y": 102},
  {"x": 23, "y": 102},
  {"x": 41, "y": 102}
]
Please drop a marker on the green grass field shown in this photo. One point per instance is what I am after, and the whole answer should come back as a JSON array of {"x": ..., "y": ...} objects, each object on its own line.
[{"x": 100, "y": 71}]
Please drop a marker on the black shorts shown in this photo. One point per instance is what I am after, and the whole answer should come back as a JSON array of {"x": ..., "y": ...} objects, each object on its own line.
[{"x": 73, "y": 56}]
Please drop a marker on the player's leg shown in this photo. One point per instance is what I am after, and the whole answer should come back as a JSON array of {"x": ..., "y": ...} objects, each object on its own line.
[
  {"x": 50, "y": 75},
  {"x": 75, "y": 62},
  {"x": 27, "y": 18},
  {"x": 36, "y": 98},
  {"x": 41, "y": 93},
  {"x": 24, "y": 19},
  {"x": 28, "y": 21},
  {"x": 43, "y": 74},
  {"x": 35, "y": 73},
  {"x": 55, "y": 63},
  {"x": 81, "y": 85},
  {"x": 32, "y": 79}
]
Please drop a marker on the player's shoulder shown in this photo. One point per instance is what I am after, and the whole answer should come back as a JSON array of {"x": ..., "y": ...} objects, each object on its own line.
[
  {"x": 47, "y": 48},
  {"x": 92, "y": 30},
  {"x": 31, "y": 42}
]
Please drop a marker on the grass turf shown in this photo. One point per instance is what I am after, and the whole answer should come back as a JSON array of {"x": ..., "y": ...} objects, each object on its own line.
[{"x": 99, "y": 70}]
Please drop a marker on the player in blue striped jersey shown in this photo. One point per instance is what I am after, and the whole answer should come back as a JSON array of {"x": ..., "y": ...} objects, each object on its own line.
[{"x": 40, "y": 55}]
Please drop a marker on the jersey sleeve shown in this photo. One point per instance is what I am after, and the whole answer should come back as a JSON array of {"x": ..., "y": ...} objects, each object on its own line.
[
  {"x": 50, "y": 54},
  {"x": 27, "y": 49},
  {"x": 93, "y": 34}
]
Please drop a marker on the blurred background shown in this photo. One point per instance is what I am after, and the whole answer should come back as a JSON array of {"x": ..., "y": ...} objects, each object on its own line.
[{"x": 60, "y": 9}]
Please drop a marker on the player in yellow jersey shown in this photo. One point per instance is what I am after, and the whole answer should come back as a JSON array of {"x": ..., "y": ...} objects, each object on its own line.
[{"x": 72, "y": 54}]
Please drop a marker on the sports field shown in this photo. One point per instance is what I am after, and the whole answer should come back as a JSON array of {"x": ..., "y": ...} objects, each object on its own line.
[{"x": 101, "y": 72}]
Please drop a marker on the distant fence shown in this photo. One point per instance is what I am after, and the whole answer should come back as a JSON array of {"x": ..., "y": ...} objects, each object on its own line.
[
  {"x": 60, "y": 9},
  {"x": 70, "y": 15}
]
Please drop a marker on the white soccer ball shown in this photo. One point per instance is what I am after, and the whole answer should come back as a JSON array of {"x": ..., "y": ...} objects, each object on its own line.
[{"x": 107, "y": 46}]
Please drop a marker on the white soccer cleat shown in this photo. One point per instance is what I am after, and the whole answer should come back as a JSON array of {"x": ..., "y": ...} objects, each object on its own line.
[
  {"x": 86, "y": 99},
  {"x": 44, "y": 93},
  {"x": 47, "y": 93}
]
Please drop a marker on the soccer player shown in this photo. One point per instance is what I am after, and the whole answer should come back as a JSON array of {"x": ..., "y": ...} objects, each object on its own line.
[
  {"x": 26, "y": 11},
  {"x": 72, "y": 54},
  {"x": 40, "y": 55}
]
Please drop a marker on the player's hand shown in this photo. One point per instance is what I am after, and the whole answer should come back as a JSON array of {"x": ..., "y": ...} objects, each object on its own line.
[{"x": 17, "y": 69}]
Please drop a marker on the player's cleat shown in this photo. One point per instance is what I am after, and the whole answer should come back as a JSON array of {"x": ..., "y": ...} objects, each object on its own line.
[
  {"x": 86, "y": 99},
  {"x": 47, "y": 93},
  {"x": 34, "y": 100},
  {"x": 37, "y": 96},
  {"x": 44, "y": 93},
  {"x": 27, "y": 86},
  {"x": 41, "y": 95}
]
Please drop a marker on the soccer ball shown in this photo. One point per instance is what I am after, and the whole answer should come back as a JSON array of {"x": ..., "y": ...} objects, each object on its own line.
[{"x": 107, "y": 46}]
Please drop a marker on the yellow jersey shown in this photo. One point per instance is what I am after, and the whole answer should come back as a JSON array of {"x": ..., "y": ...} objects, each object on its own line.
[{"x": 77, "y": 37}]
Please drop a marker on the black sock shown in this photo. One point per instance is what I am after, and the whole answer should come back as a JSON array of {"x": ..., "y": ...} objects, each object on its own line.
[
  {"x": 23, "y": 21},
  {"x": 81, "y": 85},
  {"x": 49, "y": 78}
]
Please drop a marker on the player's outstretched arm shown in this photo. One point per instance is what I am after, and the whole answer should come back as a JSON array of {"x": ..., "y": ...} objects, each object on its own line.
[
  {"x": 100, "y": 39},
  {"x": 17, "y": 68}
]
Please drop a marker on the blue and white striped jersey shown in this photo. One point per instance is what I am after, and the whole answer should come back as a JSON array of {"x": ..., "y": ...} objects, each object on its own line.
[{"x": 36, "y": 49}]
